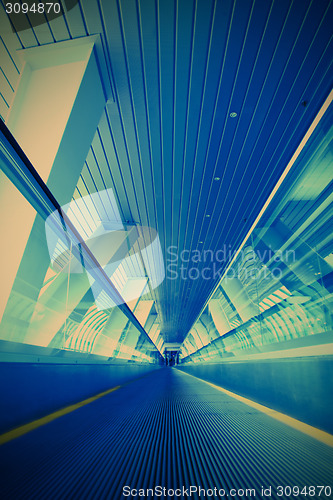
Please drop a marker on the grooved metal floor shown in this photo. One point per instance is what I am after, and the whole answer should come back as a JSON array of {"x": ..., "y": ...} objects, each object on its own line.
[{"x": 166, "y": 429}]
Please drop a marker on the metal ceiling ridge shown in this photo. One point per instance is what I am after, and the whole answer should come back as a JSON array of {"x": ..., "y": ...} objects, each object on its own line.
[{"x": 289, "y": 166}]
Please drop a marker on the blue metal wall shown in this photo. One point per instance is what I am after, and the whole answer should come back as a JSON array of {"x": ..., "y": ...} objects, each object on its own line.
[
  {"x": 298, "y": 387},
  {"x": 29, "y": 391}
]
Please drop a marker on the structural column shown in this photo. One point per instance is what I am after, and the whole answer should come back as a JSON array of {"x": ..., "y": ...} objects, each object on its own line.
[{"x": 54, "y": 116}]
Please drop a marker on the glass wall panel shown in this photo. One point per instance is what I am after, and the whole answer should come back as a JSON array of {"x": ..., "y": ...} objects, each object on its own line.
[
  {"x": 279, "y": 286},
  {"x": 55, "y": 294}
]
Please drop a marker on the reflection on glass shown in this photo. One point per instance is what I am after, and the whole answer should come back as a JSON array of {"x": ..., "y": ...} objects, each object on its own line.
[
  {"x": 279, "y": 288},
  {"x": 63, "y": 300}
]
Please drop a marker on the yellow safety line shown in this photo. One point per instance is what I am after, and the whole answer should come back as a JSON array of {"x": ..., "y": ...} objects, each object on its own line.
[
  {"x": 322, "y": 436},
  {"x": 23, "y": 429}
]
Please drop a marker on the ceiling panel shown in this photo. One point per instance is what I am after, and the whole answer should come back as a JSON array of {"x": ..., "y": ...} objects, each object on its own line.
[{"x": 167, "y": 145}]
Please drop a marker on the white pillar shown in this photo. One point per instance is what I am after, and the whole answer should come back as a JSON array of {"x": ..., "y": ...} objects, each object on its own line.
[{"x": 54, "y": 116}]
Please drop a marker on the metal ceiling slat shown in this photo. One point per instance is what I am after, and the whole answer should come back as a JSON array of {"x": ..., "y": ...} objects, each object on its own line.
[
  {"x": 10, "y": 74},
  {"x": 97, "y": 182},
  {"x": 147, "y": 40},
  {"x": 27, "y": 38},
  {"x": 139, "y": 98},
  {"x": 145, "y": 126},
  {"x": 83, "y": 229},
  {"x": 3, "y": 108},
  {"x": 201, "y": 38},
  {"x": 203, "y": 193},
  {"x": 209, "y": 87},
  {"x": 8, "y": 66},
  {"x": 75, "y": 21},
  {"x": 177, "y": 76},
  {"x": 184, "y": 39},
  {"x": 109, "y": 153},
  {"x": 80, "y": 192},
  {"x": 104, "y": 169},
  {"x": 92, "y": 177},
  {"x": 141, "y": 171},
  {"x": 244, "y": 123},
  {"x": 117, "y": 134},
  {"x": 98, "y": 170},
  {"x": 301, "y": 119},
  {"x": 205, "y": 171},
  {"x": 247, "y": 183},
  {"x": 110, "y": 27},
  {"x": 166, "y": 32},
  {"x": 92, "y": 209},
  {"x": 127, "y": 154},
  {"x": 87, "y": 186},
  {"x": 254, "y": 210},
  {"x": 184, "y": 36},
  {"x": 127, "y": 134},
  {"x": 58, "y": 28},
  {"x": 235, "y": 198},
  {"x": 82, "y": 184},
  {"x": 93, "y": 19},
  {"x": 228, "y": 15},
  {"x": 150, "y": 68},
  {"x": 10, "y": 42},
  {"x": 6, "y": 89},
  {"x": 42, "y": 32},
  {"x": 271, "y": 87},
  {"x": 232, "y": 60},
  {"x": 199, "y": 63},
  {"x": 159, "y": 159}
]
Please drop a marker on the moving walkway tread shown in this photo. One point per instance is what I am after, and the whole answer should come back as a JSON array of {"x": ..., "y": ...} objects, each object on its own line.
[{"x": 166, "y": 429}]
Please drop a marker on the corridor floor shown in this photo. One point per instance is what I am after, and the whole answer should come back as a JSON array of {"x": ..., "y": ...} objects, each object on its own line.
[{"x": 165, "y": 430}]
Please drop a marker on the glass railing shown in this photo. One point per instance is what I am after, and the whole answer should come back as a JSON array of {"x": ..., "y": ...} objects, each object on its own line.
[{"x": 64, "y": 300}]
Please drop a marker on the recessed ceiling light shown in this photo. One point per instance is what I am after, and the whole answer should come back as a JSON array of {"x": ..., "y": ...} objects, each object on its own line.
[
  {"x": 233, "y": 114},
  {"x": 217, "y": 178}
]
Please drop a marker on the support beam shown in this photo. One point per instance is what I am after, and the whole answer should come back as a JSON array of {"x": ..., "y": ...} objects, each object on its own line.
[{"x": 54, "y": 120}]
